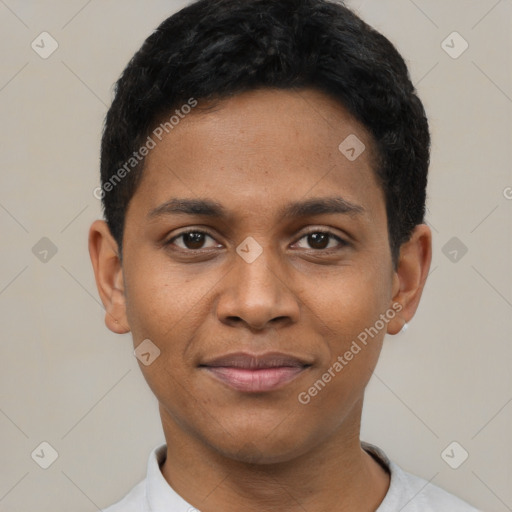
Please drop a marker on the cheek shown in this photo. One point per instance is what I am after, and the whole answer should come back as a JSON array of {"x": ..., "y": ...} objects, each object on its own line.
[
  {"x": 348, "y": 301},
  {"x": 161, "y": 299},
  {"x": 347, "y": 313},
  {"x": 163, "y": 308}
]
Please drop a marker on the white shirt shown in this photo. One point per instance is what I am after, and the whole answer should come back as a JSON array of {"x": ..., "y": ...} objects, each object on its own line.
[{"x": 406, "y": 493}]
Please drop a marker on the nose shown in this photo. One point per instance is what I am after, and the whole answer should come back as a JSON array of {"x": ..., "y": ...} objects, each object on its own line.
[{"x": 258, "y": 294}]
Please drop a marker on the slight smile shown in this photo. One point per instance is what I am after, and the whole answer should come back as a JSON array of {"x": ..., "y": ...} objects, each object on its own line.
[{"x": 252, "y": 373}]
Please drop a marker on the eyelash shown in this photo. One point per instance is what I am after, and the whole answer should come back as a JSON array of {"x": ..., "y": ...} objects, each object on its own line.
[{"x": 343, "y": 243}]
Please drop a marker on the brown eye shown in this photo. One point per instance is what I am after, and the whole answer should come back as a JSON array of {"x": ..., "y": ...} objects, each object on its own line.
[
  {"x": 319, "y": 240},
  {"x": 192, "y": 240}
]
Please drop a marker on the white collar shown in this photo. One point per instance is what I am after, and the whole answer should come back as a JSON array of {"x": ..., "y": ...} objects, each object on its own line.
[
  {"x": 407, "y": 492},
  {"x": 159, "y": 495}
]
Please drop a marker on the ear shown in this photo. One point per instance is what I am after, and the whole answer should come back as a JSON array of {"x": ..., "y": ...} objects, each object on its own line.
[
  {"x": 410, "y": 276},
  {"x": 108, "y": 272}
]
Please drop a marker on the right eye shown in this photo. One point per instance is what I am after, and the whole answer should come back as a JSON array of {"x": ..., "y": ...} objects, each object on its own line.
[{"x": 192, "y": 240}]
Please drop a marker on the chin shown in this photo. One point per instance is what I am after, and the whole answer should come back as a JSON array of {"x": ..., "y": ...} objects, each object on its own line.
[
  {"x": 256, "y": 446},
  {"x": 251, "y": 453}
]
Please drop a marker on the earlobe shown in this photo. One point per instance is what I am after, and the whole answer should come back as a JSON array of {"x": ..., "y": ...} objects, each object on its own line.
[
  {"x": 398, "y": 324},
  {"x": 108, "y": 273},
  {"x": 411, "y": 275}
]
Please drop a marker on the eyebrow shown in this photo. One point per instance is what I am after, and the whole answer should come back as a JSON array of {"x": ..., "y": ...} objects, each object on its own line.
[{"x": 209, "y": 208}]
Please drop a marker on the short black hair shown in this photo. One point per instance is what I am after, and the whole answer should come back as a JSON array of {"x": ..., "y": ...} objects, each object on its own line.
[{"x": 214, "y": 49}]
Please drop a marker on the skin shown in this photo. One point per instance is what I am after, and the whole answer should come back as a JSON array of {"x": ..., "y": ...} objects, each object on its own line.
[{"x": 254, "y": 154}]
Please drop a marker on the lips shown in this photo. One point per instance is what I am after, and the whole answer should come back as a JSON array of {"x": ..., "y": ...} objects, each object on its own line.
[{"x": 255, "y": 373}]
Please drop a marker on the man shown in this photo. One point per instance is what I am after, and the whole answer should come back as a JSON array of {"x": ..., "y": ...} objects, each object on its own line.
[{"x": 264, "y": 166}]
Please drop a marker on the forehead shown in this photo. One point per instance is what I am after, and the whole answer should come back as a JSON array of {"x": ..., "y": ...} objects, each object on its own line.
[{"x": 263, "y": 148}]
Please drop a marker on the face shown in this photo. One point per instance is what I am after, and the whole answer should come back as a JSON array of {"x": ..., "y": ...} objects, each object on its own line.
[{"x": 255, "y": 290}]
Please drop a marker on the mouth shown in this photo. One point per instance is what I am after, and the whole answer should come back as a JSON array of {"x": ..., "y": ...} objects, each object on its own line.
[{"x": 255, "y": 373}]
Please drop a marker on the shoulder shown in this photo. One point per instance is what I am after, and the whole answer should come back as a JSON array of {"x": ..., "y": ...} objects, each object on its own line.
[
  {"x": 149, "y": 490},
  {"x": 411, "y": 493},
  {"x": 415, "y": 494},
  {"x": 132, "y": 502}
]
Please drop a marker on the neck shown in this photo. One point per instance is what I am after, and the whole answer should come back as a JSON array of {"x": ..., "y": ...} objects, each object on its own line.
[{"x": 334, "y": 475}]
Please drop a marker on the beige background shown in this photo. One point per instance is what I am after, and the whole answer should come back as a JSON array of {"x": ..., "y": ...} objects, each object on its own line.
[{"x": 67, "y": 380}]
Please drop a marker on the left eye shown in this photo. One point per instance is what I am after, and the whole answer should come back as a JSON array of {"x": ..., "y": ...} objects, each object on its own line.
[
  {"x": 321, "y": 239},
  {"x": 192, "y": 240}
]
